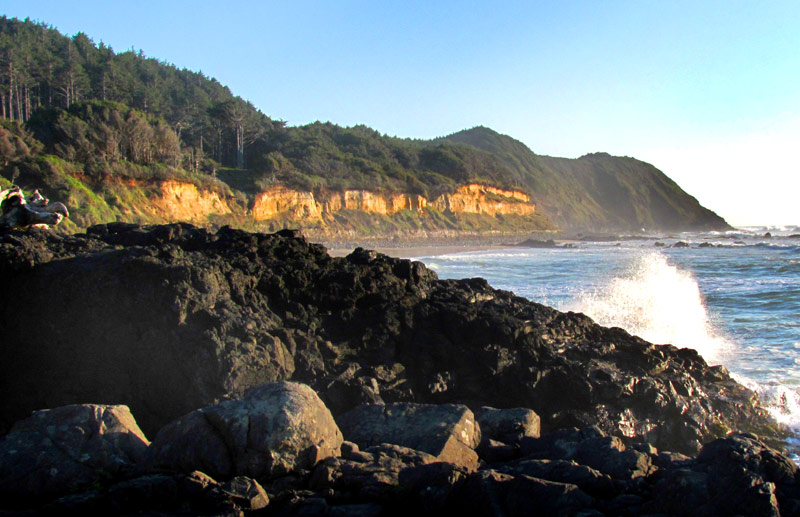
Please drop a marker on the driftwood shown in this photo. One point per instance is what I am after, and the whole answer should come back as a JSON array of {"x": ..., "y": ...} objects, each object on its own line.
[{"x": 16, "y": 212}]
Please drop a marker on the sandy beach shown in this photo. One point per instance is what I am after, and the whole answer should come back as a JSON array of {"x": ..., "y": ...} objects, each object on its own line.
[{"x": 419, "y": 251}]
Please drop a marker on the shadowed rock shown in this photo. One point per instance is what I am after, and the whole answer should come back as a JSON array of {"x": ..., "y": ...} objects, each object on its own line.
[
  {"x": 275, "y": 429},
  {"x": 62, "y": 450},
  {"x": 509, "y": 426},
  {"x": 372, "y": 474},
  {"x": 490, "y": 493},
  {"x": 737, "y": 475},
  {"x": 447, "y": 431}
]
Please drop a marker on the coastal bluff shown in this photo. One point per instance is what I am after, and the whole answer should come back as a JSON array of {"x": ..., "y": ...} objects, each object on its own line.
[{"x": 170, "y": 319}]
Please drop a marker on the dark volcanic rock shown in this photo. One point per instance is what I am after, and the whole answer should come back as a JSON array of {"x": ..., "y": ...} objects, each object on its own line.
[
  {"x": 275, "y": 429},
  {"x": 535, "y": 243},
  {"x": 737, "y": 475},
  {"x": 447, "y": 431},
  {"x": 59, "y": 451},
  {"x": 490, "y": 493},
  {"x": 371, "y": 475},
  {"x": 509, "y": 426},
  {"x": 167, "y": 319}
]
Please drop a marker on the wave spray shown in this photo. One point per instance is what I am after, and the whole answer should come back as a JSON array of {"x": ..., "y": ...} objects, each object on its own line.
[{"x": 657, "y": 302}]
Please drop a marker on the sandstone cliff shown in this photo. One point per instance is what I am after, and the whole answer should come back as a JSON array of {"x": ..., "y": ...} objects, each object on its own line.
[
  {"x": 470, "y": 209},
  {"x": 471, "y": 199}
]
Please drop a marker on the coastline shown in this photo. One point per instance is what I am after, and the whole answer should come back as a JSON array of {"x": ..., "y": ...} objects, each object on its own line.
[
  {"x": 419, "y": 250},
  {"x": 341, "y": 338}
]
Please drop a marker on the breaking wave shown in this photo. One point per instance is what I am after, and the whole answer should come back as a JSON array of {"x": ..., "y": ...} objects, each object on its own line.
[{"x": 657, "y": 302}]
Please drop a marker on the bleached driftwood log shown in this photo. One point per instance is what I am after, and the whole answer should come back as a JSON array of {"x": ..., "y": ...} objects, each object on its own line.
[{"x": 16, "y": 212}]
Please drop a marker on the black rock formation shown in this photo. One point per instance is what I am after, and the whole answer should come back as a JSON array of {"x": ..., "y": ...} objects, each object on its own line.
[{"x": 167, "y": 319}]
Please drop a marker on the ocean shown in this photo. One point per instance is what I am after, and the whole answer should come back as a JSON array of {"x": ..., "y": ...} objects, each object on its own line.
[{"x": 733, "y": 296}]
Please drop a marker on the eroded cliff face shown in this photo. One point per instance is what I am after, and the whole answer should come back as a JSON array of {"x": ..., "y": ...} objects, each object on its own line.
[
  {"x": 178, "y": 201},
  {"x": 481, "y": 199},
  {"x": 473, "y": 198}
]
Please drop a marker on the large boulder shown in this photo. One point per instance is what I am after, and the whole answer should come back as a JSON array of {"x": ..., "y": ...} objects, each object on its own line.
[
  {"x": 509, "y": 426},
  {"x": 62, "y": 450},
  {"x": 447, "y": 431},
  {"x": 274, "y": 429}
]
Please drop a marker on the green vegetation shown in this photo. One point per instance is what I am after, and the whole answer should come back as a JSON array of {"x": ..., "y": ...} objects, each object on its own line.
[
  {"x": 97, "y": 129},
  {"x": 595, "y": 192}
]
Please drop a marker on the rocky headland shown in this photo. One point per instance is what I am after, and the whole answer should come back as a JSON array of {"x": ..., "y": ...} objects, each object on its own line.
[{"x": 407, "y": 394}]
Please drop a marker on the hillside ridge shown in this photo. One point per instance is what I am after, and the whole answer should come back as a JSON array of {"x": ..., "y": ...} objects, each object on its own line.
[{"x": 103, "y": 131}]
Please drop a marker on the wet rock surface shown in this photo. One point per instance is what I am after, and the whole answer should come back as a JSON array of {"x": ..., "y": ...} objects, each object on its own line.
[{"x": 579, "y": 419}]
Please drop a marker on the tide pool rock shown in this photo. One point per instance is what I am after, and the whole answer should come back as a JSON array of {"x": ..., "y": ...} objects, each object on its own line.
[
  {"x": 447, "y": 431},
  {"x": 275, "y": 429},
  {"x": 62, "y": 450}
]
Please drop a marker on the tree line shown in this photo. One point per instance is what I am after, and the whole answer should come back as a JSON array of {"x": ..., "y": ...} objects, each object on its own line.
[
  {"x": 88, "y": 104},
  {"x": 41, "y": 69}
]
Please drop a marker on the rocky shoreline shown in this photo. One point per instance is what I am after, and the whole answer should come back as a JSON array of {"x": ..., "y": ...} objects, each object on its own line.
[{"x": 535, "y": 408}]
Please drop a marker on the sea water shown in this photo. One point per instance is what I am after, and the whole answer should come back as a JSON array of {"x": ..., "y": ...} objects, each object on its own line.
[{"x": 735, "y": 299}]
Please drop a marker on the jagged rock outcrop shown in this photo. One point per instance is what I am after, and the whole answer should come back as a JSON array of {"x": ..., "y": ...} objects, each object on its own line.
[
  {"x": 275, "y": 429},
  {"x": 736, "y": 475},
  {"x": 57, "y": 451},
  {"x": 170, "y": 318}
]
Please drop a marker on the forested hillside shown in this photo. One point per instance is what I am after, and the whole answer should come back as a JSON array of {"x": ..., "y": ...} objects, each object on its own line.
[
  {"x": 78, "y": 119},
  {"x": 596, "y": 191}
]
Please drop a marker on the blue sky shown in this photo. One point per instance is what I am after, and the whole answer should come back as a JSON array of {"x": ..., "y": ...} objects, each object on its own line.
[{"x": 708, "y": 92}]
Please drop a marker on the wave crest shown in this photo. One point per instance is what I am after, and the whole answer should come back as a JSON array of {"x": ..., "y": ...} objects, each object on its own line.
[{"x": 657, "y": 302}]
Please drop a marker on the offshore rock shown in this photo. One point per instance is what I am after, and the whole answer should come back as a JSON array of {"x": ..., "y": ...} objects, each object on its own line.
[
  {"x": 447, "y": 431},
  {"x": 275, "y": 429},
  {"x": 167, "y": 319},
  {"x": 58, "y": 451}
]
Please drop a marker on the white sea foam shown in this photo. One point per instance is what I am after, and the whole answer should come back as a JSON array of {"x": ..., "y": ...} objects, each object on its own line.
[
  {"x": 782, "y": 401},
  {"x": 658, "y": 302}
]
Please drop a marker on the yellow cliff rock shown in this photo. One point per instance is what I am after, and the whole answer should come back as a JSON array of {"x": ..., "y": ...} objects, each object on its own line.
[
  {"x": 180, "y": 201},
  {"x": 473, "y": 198},
  {"x": 281, "y": 201},
  {"x": 480, "y": 199}
]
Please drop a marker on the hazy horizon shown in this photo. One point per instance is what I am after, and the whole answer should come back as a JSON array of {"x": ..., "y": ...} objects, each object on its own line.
[{"x": 706, "y": 93}]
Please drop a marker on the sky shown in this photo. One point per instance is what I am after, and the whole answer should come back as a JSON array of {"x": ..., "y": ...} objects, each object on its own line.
[{"x": 708, "y": 92}]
